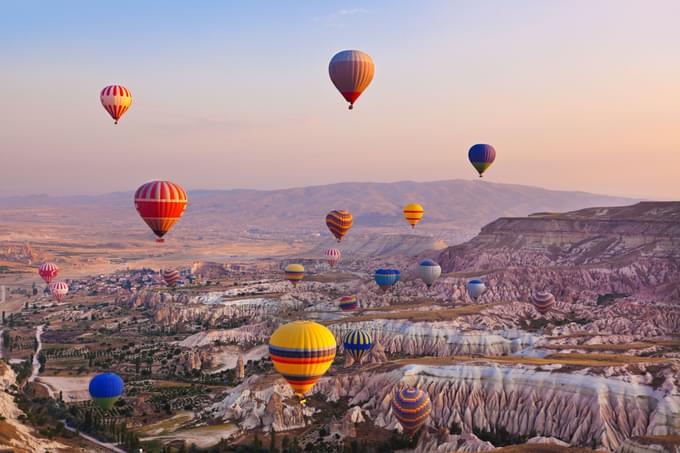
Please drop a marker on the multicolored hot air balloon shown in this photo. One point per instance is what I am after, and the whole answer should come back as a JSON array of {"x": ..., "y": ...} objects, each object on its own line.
[
  {"x": 48, "y": 271},
  {"x": 105, "y": 389},
  {"x": 333, "y": 256},
  {"x": 351, "y": 72},
  {"x": 386, "y": 278},
  {"x": 59, "y": 290},
  {"x": 302, "y": 352},
  {"x": 475, "y": 288},
  {"x": 429, "y": 271},
  {"x": 116, "y": 99},
  {"x": 411, "y": 406},
  {"x": 413, "y": 212},
  {"x": 481, "y": 157},
  {"x": 357, "y": 343},
  {"x": 170, "y": 276},
  {"x": 348, "y": 303},
  {"x": 339, "y": 223},
  {"x": 160, "y": 204},
  {"x": 295, "y": 273},
  {"x": 542, "y": 301}
]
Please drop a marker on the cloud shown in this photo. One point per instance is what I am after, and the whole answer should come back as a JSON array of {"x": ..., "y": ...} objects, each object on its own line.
[{"x": 336, "y": 19}]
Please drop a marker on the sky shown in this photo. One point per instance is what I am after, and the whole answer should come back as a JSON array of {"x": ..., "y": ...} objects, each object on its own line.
[{"x": 573, "y": 94}]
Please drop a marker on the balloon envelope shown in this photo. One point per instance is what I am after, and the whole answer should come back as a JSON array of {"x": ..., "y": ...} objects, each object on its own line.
[
  {"x": 481, "y": 157},
  {"x": 385, "y": 278},
  {"x": 48, "y": 271},
  {"x": 543, "y": 301},
  {"x": 429, "y": 271},
  {"x": 105, "y": 389},
  {"x": 59, "y": 290},
  {"x": 357, "y": 343},
  {"x": 160, "y": 204},
  {"x": 413, "y": 212},
  {"x": 475, "y": 288},
  {"x": 295, "y": 273},
  {"x": 339, "y": 223},
  {"x": 170, "y": 276},
  {"x": 348, "y": 303},
  {"x": 302, "y": 352},
  {"x": 351, "y": 71},
  {"x": 116, "y": 100},
  {"x": 333, "y": 256},
  {"x": 411, "y": 406}
]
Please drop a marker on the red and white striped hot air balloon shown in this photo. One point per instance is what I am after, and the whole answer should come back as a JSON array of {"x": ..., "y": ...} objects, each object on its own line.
[
  {"x": 351, "y": 72},
  {"x": 170, "y": 276},
  {"x": 59, "y": 290},
  {"x": 160, "y": 204},
  {"x": 333, "y": 256},
  {"x": 116, "y": 99},
  {"x": 48, "y": 271}
]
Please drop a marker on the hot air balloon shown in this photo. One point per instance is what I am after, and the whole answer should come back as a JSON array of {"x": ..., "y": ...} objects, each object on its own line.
[
  {"x": 542, "y": 301},
  {"x": 116, "y": 99},
  {"x": 411, "y": 406},
  {"x": 105, "y": 389},
  {"x": 160, "y": 204},
  {"x": 351, "y": 72},
  {"x": 170, "y": 276},
  {"x": 59, "y": 290},
  {"x": 385, "y": 278},
  {"x": 295, "y": 273},
  {"x": 48, "y": 271},
  {"x": 357, "y": 343},
  {"x": 302, "y": 352},
  {"x": 348, "y": 303},
  {"x": 332, "y": 256},
  {"x": 481, "y": 157},
  {"x": 475, "y": 288},
  {"x": 429, "y": 271},
  {"x": 413, "y": 212},
  {"x": 339, "y": 222}
]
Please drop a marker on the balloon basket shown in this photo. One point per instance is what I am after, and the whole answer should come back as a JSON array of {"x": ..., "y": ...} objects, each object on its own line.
[{"x": 160, "y": 240}]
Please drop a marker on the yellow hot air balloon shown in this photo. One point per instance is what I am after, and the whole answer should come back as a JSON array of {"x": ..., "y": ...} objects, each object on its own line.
[
  {"x": 295, "y": 273},
  {"x": 302, "y": 352},
  {"x": 413, "y": 212}
]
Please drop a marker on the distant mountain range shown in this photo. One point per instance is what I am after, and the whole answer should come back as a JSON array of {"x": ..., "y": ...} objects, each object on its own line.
[{"x": 458, "y": 207}]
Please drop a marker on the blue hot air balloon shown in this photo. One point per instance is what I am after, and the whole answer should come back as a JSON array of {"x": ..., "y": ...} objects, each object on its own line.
[
  {"x": 475, "y": 288},
  {"x": 481, "y": 157},
  {"x": 357, "y": 343},
  {"x": 385, "y": 278},
  {"x": 105, "y": 389},
  {"x": 429, "y": 271}
]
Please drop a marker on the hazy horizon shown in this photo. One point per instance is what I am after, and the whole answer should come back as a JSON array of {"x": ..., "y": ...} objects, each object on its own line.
[{"x": 573, "y": 96}]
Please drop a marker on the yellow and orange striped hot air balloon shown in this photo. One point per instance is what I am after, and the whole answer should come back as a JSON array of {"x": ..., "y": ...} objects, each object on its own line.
[
  {"x": 339, "y": 223},
  {"x": 302, "y": 352},
  {"x": 351, "y": 72},
  {"x": 413, "y": 212},
  {"x": 295, "y": 273},
  {"x": 116, "y": 99}
]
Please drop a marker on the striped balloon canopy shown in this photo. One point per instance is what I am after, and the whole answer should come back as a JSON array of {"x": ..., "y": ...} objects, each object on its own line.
[
  {"x": 116, "y": 100},
  {"x": 48, "y": 271},
  {"x": 413, "y": 212},
  {"x": 475, "y": 288},
  {"x": 481, "y": 157},
  {"x": 357, "y": 343},
  {"x": 429, "y": 271},
  {"x": 106, "y": 389},
  {"x": 170, "y": 276},
  {"x": 348, "y": 303},
  {"x": 351, "y": 71},
  {"x": 160, "y": 204},
  {"x": 411, "y": 406},
  {"x": 302, "y": 352},
  {"x": 339, "y": 223},
  {"x": 333, "y": 256},
  {"x": 386, "y": 278},
  {"x": 542, "y": 301},
  {"x": 295, "y": 273},
  {"x": 59, "y": 290}
]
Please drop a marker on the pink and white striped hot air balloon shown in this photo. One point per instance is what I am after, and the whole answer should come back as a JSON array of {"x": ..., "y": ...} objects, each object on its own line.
[
  {"x": 48, "y": 271},
  {"x": 351, "y": 72},
  {"x": 59, "y": 290},
  {"x": 333, "y": 256},
  {"x": 171, "y": 276},
  {"x": 116, "y": 99}
]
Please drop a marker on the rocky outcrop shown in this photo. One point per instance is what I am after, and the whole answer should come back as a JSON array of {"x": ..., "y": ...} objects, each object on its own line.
[{"x": 651, "y": 444}]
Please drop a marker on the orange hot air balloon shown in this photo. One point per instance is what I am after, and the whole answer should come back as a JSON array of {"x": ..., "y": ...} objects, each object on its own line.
[
  {"x": 160, "y": 204},
  {"x": 339, "y": 223},
  {"x": 351, "y": 72},
  {"x": 116, "y": 99}
]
